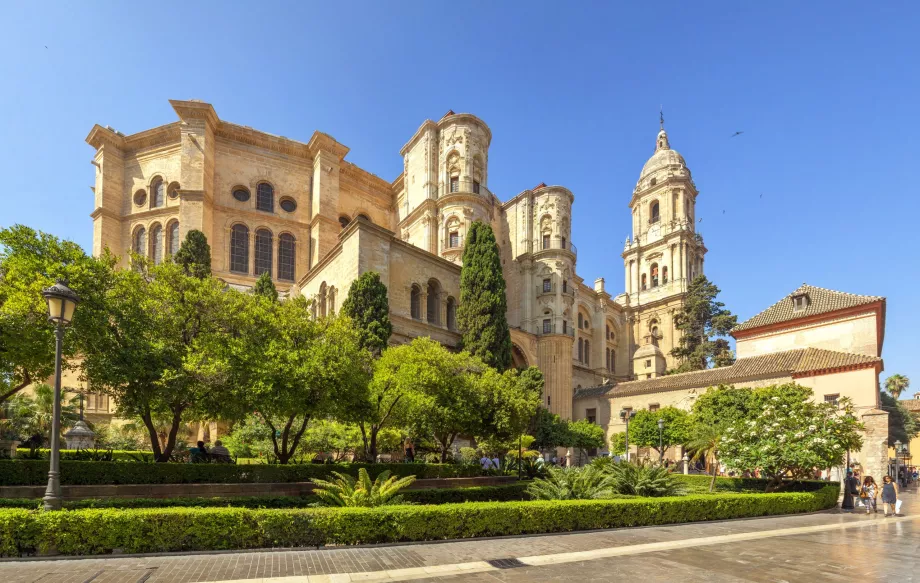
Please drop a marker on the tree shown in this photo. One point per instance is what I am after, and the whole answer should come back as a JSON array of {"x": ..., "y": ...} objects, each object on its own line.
[
  {"x": 789, "y": 435},
  {"x": 331, "y": 437},
  {"x": 158, "y": 353},
  {"x": 509, "y": 401},
  {"x": 292, "y": 368},
  {"x": 704, "y": 323},
  {"x": 902, "y": 425},
  {"x": 32, "y": 415},
  {"x": 896, "y": 384},
  {"x": 194, "y": 255},
  {"x": 482, "y": 314},
  {"x": 713, "y": 412},
  {"x": 586, "y": 435},
  {"x": 29, "y": 262},
  {"x": 618, "y": 443},
  {"x": 549, "y": 430},
  {"x": 368, "y": 307},
  {"x": 643, "y": 428},
  {"x": 704, "y": 443},
  {"x": 265, "y": 288}
]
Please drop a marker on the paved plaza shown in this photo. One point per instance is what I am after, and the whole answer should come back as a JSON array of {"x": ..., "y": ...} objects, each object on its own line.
[{"x": 829, "y": 546}]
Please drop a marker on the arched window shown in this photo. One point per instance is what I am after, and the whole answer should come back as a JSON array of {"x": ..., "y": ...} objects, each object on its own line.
[
  {"x": 321, "y": 300},
  {"x": 157, "y": 193},
  {"x": 286, "y": 257},
  {"x": 581, "y": 350},
  {"x": 654, "y": 212},
  {"x": 239, "y": 249},
  {"x": 434, "y": 303},
  {"x": 265, "y": 197},
  {"x": 343, "y": 220},
  {"x": 140, "y": 241},
  {"x": 331, "y": 301},
  {"x": 415, "y": 303},
  {"x": 172, "y": 233},
  {"x": 156, "y": 244},
  {"x": 451, "y": 314},
  {"x": 644, "y": 281},
  {"x": 587, "y": 352},
  {"x": 654, "y": 275},
  {"x": 664, "y": 275},
  {"x": 581, "y": 322},
  {"x": 607, "y": 354},
  {"x": 263, "y": 252},
  {"x": 365, "y": 217},
  {"x": 607, "y": 332}
]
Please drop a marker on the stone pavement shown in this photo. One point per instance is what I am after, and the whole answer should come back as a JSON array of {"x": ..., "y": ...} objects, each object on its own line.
[{"x": 831, "y": 546}]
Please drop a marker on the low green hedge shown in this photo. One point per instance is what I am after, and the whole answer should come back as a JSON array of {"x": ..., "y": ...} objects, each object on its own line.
[
  {"x": 425, "y": 496},
  {"x": 75, "y": 454},
  {"x": 103, "y": 531},
  {"x": 75, "y": 473},
  {"x": 699, "y": 484}
]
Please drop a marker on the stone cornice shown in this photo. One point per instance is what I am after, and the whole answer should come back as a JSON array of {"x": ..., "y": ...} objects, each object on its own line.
[
  {"x": 549, "y": 189},
  {"x": 465, "y": 117},
  {"x": 427, "y": 124},
  {"x": 377, "y": 184},
  {"x": 428, "y": 205},
  {"x": 104, "y": 212},
  {"x": 668, "y": 181},
  {"x": 321, "y": 142},
  {"x": 251, "y": 137},
  {"x": 194, "y": 109}
]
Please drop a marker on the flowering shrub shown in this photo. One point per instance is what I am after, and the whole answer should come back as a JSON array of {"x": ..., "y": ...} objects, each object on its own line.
[{"x": 788, "y": 435}]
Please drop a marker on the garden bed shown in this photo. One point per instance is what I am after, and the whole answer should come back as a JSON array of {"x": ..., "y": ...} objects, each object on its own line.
[{"x": 104, "y": 531}]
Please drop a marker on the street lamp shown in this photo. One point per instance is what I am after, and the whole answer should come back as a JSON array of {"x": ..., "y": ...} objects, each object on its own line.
[
  {"x": 62, "y": 301},
  {"x": 626, "y": 415},
  {"x": 660, "y": 441}
]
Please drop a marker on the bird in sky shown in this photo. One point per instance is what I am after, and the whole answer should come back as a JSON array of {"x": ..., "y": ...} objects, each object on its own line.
[
  {"x": 736, "y": 134},
  {"x": 46, "y": 46},
  {"x": 701, "y": 220},
  {"x": 723, "y": 211}
]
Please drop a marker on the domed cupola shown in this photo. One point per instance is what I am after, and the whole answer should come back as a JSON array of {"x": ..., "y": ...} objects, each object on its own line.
[{"x": 663, "y": 157}]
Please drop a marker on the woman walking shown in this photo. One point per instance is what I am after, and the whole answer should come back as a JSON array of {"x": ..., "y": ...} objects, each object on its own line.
[
  {"x": 889, "y": 495},
  {"x": 868, "y": 494}
]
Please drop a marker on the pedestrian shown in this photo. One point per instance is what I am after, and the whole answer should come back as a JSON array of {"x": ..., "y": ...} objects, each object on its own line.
[
  {"x": 850, "y": 489},
  {"x": 889, "y": 495},
  {"x": 868, "y": 494},
  {"x": 496, "y": 463},
  {"x": 219, "y": 453},
  {"x": 409, "y": 450},
  {"x": 485, "y": 462}
]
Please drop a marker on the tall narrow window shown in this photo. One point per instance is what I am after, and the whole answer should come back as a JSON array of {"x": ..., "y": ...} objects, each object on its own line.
[
  {"x": 156, "y": 244},
  {"x": 644, "y": 281},
  {"x": 664, "y": 275},
  {"x": 434, "y": 303},
  {"x": 547, "y": 285},
  {"x": 239, "y": 249},
  {"x": 581, "y": 350},
  {"x": 157, "y": 193},
  {"x": 286, "y": 257},
  {"x": 476, "y": 187},
  {"x": 546, "y": 241},
  {"x": 263, "y": 252},
  {"x": 547, "y": 326},
  {"x": 654, "y": 213},
  {"x": 173, "y": 234},
  {"x": 455, "y": 184},
  {"x": 565, "y": 286},
  {"x": 607, "y": 355},
  {"x": 140, "y": 241},
  {"x": 587, "y": 352},
  {"x": 415, "y": 303},
  {"x": 454, "y": 239},
  {"x": 265, "y": 197},
  {"x": 321, "y": 300},
  {"x": 451, "y": 314},
  {"x": 563, "y": 241},
  {"x": 565, "y": 326},
  {"x": 654, "y": 275}
]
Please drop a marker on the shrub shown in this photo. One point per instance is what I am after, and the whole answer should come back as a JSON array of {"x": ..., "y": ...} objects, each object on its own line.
[
  {"x": 103, "y": 531},
  {"x": 699, "y": 484},
  {"x": 87, "y": 454},
  {"x": 643, "y": 480},
  {"x": 588, "y": 483},
  {"x": 35, "y": 472},
  {"x": 346, "y": 491}
]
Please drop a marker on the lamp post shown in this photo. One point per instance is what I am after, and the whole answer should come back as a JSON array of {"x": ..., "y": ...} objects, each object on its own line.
[
  {"x": 660, "y": 441},
  {"x": 62, "y": 301},
  {"x": 626, "y": 415},
  {"x": 897, "y": 446}
]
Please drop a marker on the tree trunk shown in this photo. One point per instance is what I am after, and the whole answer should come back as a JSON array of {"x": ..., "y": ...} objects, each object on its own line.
[
  {"x": 26, "y": 381},
  {"x": 154, "y": 436},
  {"x": 372, "y": 450},
  {"x": 715, "y": 472},
  {"x": 171, "y": 438},
  {"x": 289, "y": 442}
]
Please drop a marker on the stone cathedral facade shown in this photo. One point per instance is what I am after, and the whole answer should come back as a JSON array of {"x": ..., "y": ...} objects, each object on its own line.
[
  {"x": 303, "y": 213},
  {"x": 315, "y": 222}
]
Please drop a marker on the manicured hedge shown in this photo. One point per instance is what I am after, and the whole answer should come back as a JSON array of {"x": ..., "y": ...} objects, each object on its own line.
[
  {"x": 74, "y": 473},
  {"x": 103, "y": 531},
  {"x": 425, "y": 496},
  {"x": 699, "y": 484},
  {"x": 72, "y": 454}
]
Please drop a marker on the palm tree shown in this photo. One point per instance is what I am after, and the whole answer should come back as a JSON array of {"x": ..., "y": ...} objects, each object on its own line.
[
  {"x": 587, "y": 483},
  {"x": 896, "y": 384},
  {"x": 705, "y": 444},
  {"x": 344, "y": 490}
]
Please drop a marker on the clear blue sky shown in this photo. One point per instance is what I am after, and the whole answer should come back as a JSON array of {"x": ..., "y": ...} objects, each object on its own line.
[{"x": 825, "y": 92}]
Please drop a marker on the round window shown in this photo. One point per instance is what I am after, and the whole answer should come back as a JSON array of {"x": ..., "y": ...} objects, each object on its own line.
[
  {"x": 174, "y": 190},
  {"x": 288, "y": 205},
  {"x": 140, "y": 197},
  {"x": 241, "y": 194}
]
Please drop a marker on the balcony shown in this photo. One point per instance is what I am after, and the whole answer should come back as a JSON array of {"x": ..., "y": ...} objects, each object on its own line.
[
  {"x": 553, "y": 244},
  {"x": 552, "y": 329},
  {"x": 464, "y": 186},
  {"x": 454, "y": 243}
]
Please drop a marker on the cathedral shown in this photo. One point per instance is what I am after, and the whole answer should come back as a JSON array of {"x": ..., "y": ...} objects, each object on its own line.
[{"x": 315, "y": 222}]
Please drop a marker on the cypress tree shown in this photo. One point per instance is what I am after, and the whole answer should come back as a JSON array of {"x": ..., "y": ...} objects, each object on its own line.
[
  {"x": 704, "y": 323},
  {"x": 195, "y": 255},
  {"x": 265, "y": 287},
  {"x": 482, "y": 314},
  {"x": 367, "y": 305}
]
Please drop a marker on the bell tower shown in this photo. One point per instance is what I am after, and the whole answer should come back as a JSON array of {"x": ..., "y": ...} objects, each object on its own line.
[{"x": 663, "y": 254}]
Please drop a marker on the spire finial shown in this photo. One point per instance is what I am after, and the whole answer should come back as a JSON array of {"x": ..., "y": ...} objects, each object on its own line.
[{"x": 661, "y": 116}]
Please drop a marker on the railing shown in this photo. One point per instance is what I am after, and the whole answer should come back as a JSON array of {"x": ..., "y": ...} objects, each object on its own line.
[
  {"x": 455, "y": 242},
  {"x": 550, "y": 289},
  {"x": 465, "y": 186},
  {"x": 551, "y": 329},
  {"x": 557, "y": 244}
]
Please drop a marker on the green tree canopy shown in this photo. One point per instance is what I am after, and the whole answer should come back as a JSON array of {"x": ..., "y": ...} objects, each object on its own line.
[
  {"x": 704, "y": 323},
  {"x": 509, "y": 401},
  {"x": 367, "y": 305},
  {"x": 265, "y": 287},
  {"x": 896, "y": 384},
  {"x": 721, "y": 406},
  {"x": 618, "y": 443},
  {"x": 902, "y": 425},
  {"x": 643, "y": 428},
  {"x": 194, "y": 255},
  {"x": 29, "y": 262},
  {"x": 482, "y": 314}
]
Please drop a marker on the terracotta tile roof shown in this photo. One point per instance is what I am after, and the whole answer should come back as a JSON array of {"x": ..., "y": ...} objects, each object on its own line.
[
  {"x": 790, "y": 363},
  {"x": 912, "y": 405},
  {"x": 820, "y": 301}
]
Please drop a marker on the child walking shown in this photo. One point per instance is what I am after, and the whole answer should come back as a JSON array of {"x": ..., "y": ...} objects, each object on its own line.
[
  {"x": 889, "y": 495},
  {"x": 868, "y": 494}
]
